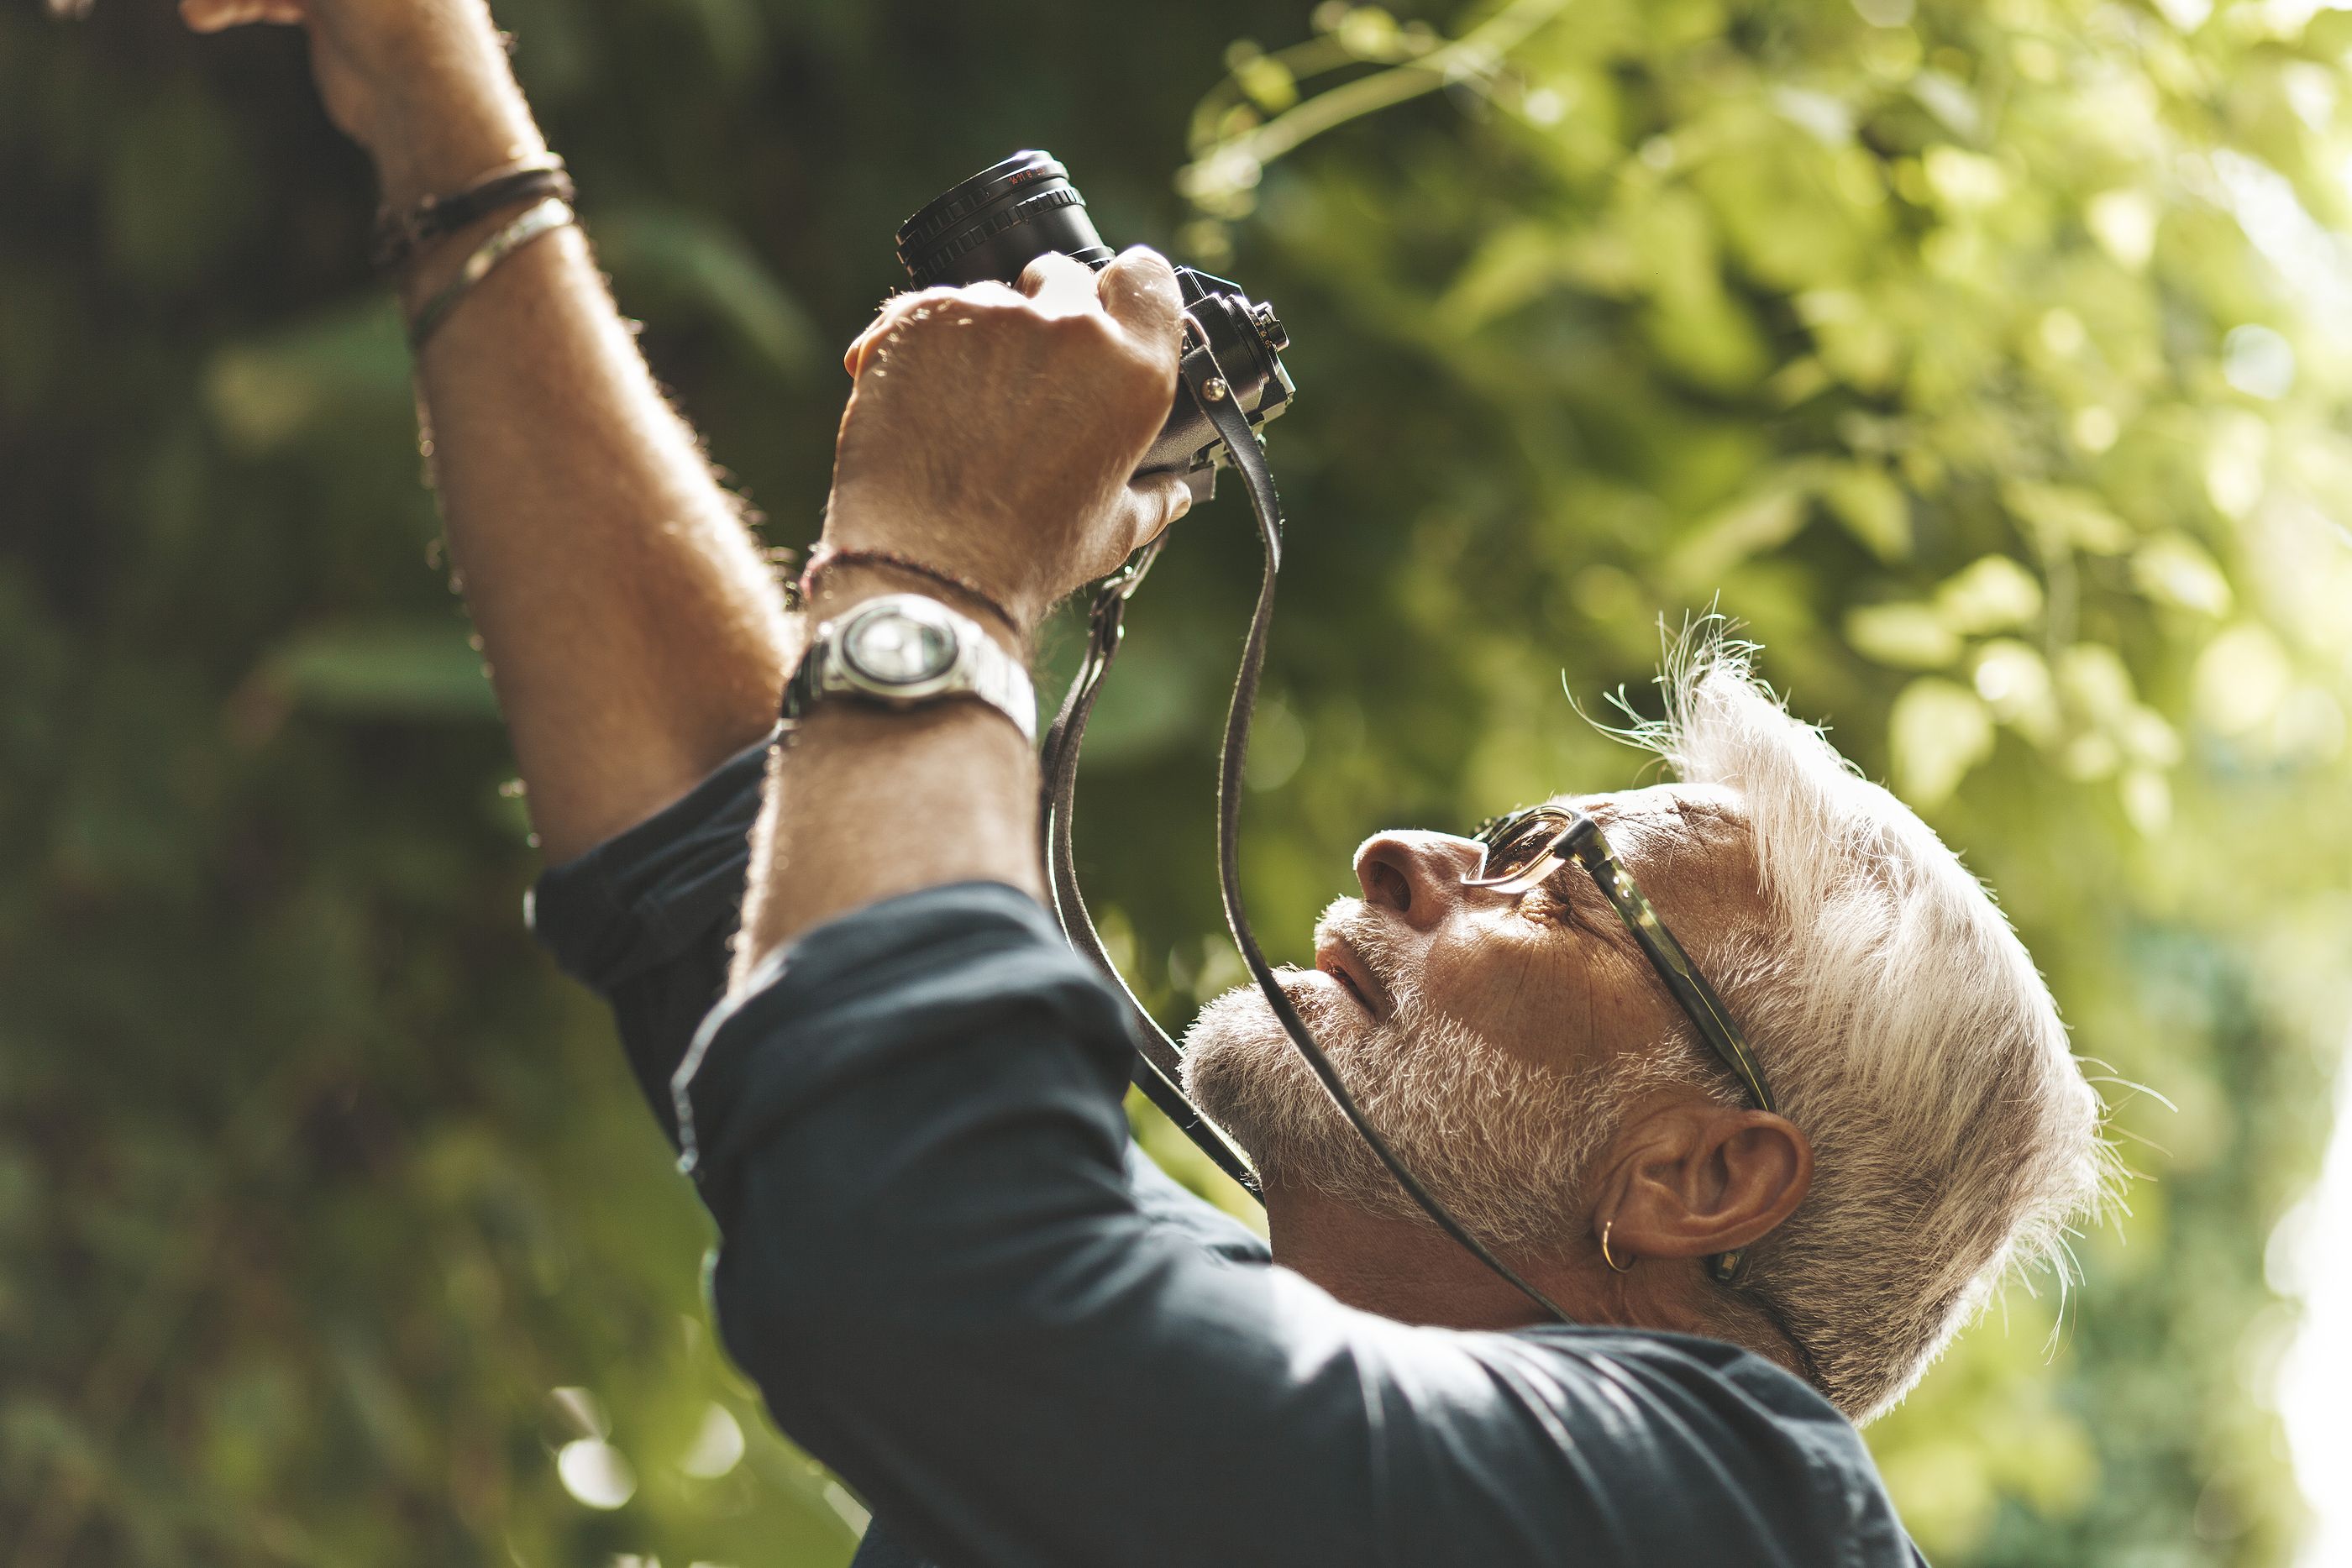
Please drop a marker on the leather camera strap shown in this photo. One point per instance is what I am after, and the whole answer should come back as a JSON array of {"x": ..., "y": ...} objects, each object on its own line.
[{"x": 1158, "y": 1061}]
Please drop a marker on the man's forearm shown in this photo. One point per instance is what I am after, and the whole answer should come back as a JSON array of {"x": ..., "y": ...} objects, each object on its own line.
[
  {"x": 635, "y": 634},
  {"x": 864, "y": 804}
]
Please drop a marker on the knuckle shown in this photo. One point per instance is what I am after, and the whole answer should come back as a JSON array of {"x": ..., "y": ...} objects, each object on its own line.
[
  {"x": 987, "y": 294},
  {"x": 919, "y": 304},
  {"x": 899, "y": 304},
  {"x": 1150, "y": 267},
  {"x": 913, "y": 316},
  {"x": 1046, "y": 265}
]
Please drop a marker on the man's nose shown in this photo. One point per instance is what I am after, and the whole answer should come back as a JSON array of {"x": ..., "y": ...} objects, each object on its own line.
[{"x": 1418, "y": 875}]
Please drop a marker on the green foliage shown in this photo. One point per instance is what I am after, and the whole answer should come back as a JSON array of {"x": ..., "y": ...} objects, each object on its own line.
[
  {"x": 1982, "y": 358},
  {"x": 1987, "y": 361}
]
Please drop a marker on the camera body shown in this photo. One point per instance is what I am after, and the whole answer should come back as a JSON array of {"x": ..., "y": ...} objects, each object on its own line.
[{"x": 992, "y": 225}]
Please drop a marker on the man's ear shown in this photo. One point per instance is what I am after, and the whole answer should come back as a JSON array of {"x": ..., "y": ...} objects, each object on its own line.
[{"x": 1699, "y": 1179}]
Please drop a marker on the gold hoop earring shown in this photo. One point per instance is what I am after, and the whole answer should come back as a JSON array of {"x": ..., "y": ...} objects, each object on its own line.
[{"x": 1614, "y": 1266}]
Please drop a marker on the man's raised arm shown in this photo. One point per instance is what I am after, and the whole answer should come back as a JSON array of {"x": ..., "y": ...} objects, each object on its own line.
[{"x": 635, "y": 635}]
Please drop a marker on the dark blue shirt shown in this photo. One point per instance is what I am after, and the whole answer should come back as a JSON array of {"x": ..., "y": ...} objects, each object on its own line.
[{"x": 958, "y": 1282}]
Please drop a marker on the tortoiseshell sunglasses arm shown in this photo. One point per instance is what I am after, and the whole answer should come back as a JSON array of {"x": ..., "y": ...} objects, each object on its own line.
[
  {"x": 1697, "y": 997},
  {"x": 1705, "y": 1009},
  {"x": 1582, "y": 839}
]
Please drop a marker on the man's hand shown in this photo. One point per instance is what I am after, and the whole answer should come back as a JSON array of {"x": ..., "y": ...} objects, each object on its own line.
[
  {"x": 992, "y": 433},
  {"x": 421, "y": 85}
]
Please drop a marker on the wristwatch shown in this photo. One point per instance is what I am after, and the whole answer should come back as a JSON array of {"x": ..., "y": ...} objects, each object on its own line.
[{"x": 904, "y": 650}]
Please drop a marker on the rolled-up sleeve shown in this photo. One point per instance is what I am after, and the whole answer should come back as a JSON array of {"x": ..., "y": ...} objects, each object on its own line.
[
  {"x": 645, "y": 917},
  {"x": 933, "y": 1264}
]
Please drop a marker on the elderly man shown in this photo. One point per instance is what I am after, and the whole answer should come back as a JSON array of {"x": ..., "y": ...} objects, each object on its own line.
[{"x": 950, "y": 1272}]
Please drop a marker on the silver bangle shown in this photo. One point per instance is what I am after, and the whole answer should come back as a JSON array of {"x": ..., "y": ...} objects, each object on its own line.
[{"x": 544, "y": 218}]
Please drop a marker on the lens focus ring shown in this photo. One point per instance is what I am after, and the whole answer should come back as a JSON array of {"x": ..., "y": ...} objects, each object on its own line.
[
  {"x": 1022, "y": 212},
  {"x": 993, "y": 225},
  {"x": 989, "y": 185}
]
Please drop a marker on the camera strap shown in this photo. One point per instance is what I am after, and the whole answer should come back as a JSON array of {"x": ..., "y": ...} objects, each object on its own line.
[
  {"x": 1159, "y": 1071},
  {"x": 1159, "y": 1063}
]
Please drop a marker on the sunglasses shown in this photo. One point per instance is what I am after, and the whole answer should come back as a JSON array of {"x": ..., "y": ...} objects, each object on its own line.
[{"x": 1522, "y": 852}]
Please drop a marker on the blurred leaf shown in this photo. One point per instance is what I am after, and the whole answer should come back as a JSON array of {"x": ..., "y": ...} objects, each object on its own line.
[
  {"x": 2242, "y": 678},
  {"x": 2124, "y": 222},
  {"x": 2014, "y": 681},
  {"x": 1906, "y": 636},
  {"x": 1963, "y": 180},
  {"x": 1511, "y": 267},
  {"x": 1367, "y": 32},
  {"x": 1765, "y": 518},
  {"x": 387, "y": 670},
  {"x": 680, "y": 262},
  {"x": 1936, "y": 732},
  {"x": 2173, "y": 569},
  {"x": 736, "y": 33},
  {"x": 1993, "y": 593},
  {"x": 2068, "y": 516},
  {"x": 264, "y": 392},
  {"x": 1268, "y": 81},
  {"x": 1872, "y": 507},
  {"x": 2094, "y": 681},
  {"x": 176, "y": 192}
]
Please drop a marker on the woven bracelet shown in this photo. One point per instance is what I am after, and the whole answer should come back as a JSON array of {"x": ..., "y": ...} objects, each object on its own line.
[
  {"x": 398, "y": 234},
  {"x": 827, "y": 555},
  {"x": 545, "y": 218}
]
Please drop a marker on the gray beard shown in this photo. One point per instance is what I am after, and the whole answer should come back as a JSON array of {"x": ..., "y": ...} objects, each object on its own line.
[{"x": 1507, "y": 1144}]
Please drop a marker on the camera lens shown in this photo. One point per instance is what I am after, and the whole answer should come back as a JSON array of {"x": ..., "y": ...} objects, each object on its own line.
[{"x": 997, "y": 223}]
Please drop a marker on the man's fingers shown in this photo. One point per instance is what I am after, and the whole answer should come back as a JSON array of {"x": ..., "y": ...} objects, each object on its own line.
[
  {"x": 898, "y": 307},
  {"x": 894, "y": 310},
  {"x": 852, "y": 358},
  {"x": 1058, "y": 284},
  {"x": 1140, "y": 291},
  {"x": 1153, "y": 501},
  {"x": 217, "y": 15}
]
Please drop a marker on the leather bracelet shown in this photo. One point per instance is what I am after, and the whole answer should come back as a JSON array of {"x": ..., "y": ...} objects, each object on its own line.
[
  {"x": 827, "y": 555},
  {"x": 398, "y": 235},
  {"x": 545, "y": 218}
]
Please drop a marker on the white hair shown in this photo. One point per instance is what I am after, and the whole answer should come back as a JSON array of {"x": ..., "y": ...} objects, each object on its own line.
[{"x": 1903, "y": 1028}]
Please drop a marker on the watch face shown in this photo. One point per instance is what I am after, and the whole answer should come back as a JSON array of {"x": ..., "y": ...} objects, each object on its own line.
[{"x": 893, "y": 649}]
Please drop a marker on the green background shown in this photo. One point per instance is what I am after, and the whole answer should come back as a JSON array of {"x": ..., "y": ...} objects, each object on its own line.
[{"x": 1986, "y": 360}]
